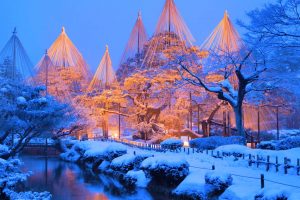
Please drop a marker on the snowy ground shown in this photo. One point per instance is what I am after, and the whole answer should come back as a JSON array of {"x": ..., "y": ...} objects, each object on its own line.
[{"x": 246, "y": 179}]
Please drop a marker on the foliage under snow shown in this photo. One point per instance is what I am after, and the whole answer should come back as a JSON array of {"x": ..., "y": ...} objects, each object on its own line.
[
  {"x": 220, "y": 180},
  {"x": 128, "y": 162},
  {"x": 171, "y": 144},
  {"x": 284, "y": 144},
  {"x": 169, "y": 170},
  {"x": 136, "y": 179},
  {"x": 214, "y": 142}
]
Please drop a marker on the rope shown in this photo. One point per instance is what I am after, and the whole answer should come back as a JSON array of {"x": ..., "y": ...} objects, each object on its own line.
[{"x": 294, "y": 186}]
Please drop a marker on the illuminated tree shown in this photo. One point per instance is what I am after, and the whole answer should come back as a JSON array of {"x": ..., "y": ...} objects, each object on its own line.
[{"x": 236, "y": 72}]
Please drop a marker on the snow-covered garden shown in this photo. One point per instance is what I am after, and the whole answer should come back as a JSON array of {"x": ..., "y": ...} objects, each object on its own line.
[
  {"x": 176, "y": 120},
  {"x": 197, "y": 175}
]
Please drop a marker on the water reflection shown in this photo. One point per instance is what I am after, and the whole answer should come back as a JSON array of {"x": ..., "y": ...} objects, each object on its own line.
[{"x": 68, "y": 181}]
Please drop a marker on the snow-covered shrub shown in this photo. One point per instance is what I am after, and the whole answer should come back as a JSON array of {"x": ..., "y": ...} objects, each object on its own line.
[
  {"x": 10, "y": 173},
  {"x": 29, "y": 195},
  {"x": 27, "y": 113},
  {"x": 76, "y": 152},
  {"x": 3, "y": 150},
  {"x": 234, "y": 149},
  {"x": 284, "y": 144},
  {"x": 191, "y": 188},
  {"x": 128, "y": 162},
  {"x": 220, "y": 180},
  {"x": 215, "y": 141},
  {"x": 171, "y": 144},
  {"x": 272, "y": 194},
  {"x": 285, "y": 133},
  {"x": 10, "y": 176},
  {"x": 289, "y": 143},
  {"x": 105, "y": 150},
  {"x": 166, "y": 170},
  {"x": 270, "y": 145},
  {"x": 134, "y": 179}
]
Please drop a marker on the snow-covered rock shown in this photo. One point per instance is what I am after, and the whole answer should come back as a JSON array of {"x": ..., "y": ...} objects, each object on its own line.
[
  {"x": 171, "y": 144},
  {"x": 165, "y": 169}
]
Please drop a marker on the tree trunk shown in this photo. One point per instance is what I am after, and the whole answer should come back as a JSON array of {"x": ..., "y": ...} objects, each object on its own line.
[{"x": 238, "y": 112}]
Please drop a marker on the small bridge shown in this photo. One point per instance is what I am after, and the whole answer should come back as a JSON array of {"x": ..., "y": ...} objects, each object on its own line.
[{"x": 41, "y": 149}]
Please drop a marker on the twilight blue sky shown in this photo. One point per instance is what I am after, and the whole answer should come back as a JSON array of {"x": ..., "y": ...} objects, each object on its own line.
[{"x": 91, "y": 24}]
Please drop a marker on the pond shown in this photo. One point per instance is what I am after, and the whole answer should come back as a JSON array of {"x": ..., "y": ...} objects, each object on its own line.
[{"x": 66, "y": 181}]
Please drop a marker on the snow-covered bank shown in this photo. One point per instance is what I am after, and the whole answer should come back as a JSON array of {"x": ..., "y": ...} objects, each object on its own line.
[
  {"x": 10, "y": 177},
  {"x": 194, "y": 170}
]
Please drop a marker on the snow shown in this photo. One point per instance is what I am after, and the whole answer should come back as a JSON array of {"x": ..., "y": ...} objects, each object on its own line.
[
  {"x": 221, "y": 180},
  {"x": 171, "y": 143},
  {"x": 192, "y": 185},
  {"x": 162, "y": 160},
  {"x": 104, "y": 166},
  {"x": 106, "y": 150},
  {"x": 214, "y": 142},
  {"x": 29, "y": 195},
  {"x": 273, "y": 193},
  {"x": 128, "y": 162},
  {"x": 239, "y": 192},
  {"x": 21, "y": 100},
  {"x": 10, "y": 176},
  {"x": 3, "y": 149},
  {"x": 292, "y": 154},
  {"x": 284, "y": 133},
  {"x": 140, "y": 177},
  {"x": 200, "y": 164}
]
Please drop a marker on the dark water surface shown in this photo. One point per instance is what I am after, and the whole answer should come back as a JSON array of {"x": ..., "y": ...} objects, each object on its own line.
[{"x": 67, "y": 181}]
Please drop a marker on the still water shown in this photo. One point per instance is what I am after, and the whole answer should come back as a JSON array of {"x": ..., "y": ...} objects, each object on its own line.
[{"x": 67, "y": 181}]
